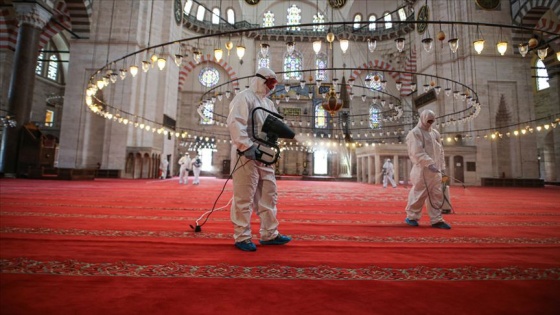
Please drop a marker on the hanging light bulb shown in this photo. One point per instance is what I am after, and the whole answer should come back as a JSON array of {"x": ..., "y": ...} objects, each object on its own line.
[
  {"x": 318, "y": 82},
  {"x": 290, "y": 47},
  {"x": 363, "y": 97},
  {"x": 558, "y": 56},
  {"x": 399, "y": 42},
  {"x": 344, "y": 45},
  {"x": 145, "y": 66},
  {"x": 542, "y": 52},
  {"x": 398, "y": 85},
  {"x": 228, "y": 94},
  {"x": 437, "y": 89},
  {"x": 310, "y": 94},
  {"x": 523, "y": 49},
  {"x": 427, "y": 43},
  {"x": 317, "y": 46},
  {"x": 287, "y": 88},
  {"x": 502, "y": 47},
  {"x": 413, "y": 87},
  {"x": 351, "y": 83},
  {"x": 330, "y": 38},
  {"x": 264, "y": 49},
  {"x": 178, "y": 58},
  {"x": 447, "y": 91},
  {"x": 371, "y": 44},
  {"x": 114, "y": 76},
  {"x": 100, "y": 84},
  {"x": 218, "y": 54},
  {"x": 302, "y": 84},
  {"x": 154, "y": 58},
  {"x": 453, "y": 44},
  {"x": 478, "y": 45},
  {"x": 229, "y": 46},
  {"x": 133, "y": 70},
  {"x": 197, "y": 56},
  {"x": 383, "y": 85},
  {"x": 240, "y": 51},
  {"x": 220, "y": 96},
  {"x": 161, "y": 63}
]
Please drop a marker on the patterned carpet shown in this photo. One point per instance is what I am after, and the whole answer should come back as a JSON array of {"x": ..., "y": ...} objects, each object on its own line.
[{"x": 126, "y": 247}]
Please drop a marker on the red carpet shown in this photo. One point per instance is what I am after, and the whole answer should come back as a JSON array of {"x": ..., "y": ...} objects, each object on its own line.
[{"x": 125, "y": 247}]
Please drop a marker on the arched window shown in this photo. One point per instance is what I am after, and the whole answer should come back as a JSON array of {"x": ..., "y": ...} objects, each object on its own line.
[
  {"x": 374, "y": 117},
  {"x": 402, "y": 14},
  {"x": 39, "y": 67},
  {"x": 207, "y": 117},
  {"x": 318, "y": 18},
  {"x": 52, "y": 72},
  {"x": 216, "y": 16},
  {"x": 200, "y": 13},
  {"x": 230, "y": 16},
  {"x": 268, "y": 19},
  {"x": 320, "y": 117},
  {"x": 375, "y": 79},
  {"x": 372, "y": 25},
  {"x": 263, "y": 61},
  {"x": 320, "y": 162},
  {"x": 387, "y": 19},
  {"x": 188, "y": 7},
  {"x": 357, "y": 18},
  {"x": 294, "y": 17},
  {"x": 321, "y": 63},
  {"x": 293, "y": 62},
  {"x": 209, "y": 77},
  {"x": 542, "y": 76}
]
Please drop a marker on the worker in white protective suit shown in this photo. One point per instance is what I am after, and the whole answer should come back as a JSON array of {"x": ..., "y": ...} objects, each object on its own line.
[
  {"x": 254, "y": 183},
  {"x": 184, "y": 167},
  {"x": 388, "y": 173},
  {"x": 426, "y": 154},
  {"x": 196, "y": 165},
  {"x": 163, "y": 167}
]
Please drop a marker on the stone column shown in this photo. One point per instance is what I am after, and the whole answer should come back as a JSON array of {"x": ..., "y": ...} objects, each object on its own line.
[{"x": 32, "y": 18}]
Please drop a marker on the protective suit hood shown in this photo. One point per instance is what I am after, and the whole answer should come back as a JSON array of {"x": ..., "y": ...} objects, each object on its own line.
[
  {"x": 257, "y": 83},
  {"x": 424, "y": 117}
]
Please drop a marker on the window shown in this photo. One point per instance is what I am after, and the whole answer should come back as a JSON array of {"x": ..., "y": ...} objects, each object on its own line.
[
  {"x": 268, "y": 19},
  {"x": 200, "y": 13},
  {"x": 375, "y": 80},
  {"x": 293, "y": 62},
  {"x": 321, "y": 64},
  {"x": 216, "y": 16},
  {"x": 387, "y": 19},
  {"x": 542, "y": 76},
  {"x": 207, "y": 117},
  {"x": 372, "y": 24},
  {"x": 357, "y": 18},
  {"x": 374, "y": 117},
  {"x": 263, "y": 61},
  {"x": 52, "y": 72},
  {"x": 206, "y": 158},
  {"x": 49, "y": 118},
  {"x": 39, "y": 67},
  {"x": 320, "y": 117},
  {"x": 188, "y": 7},
  {"x": 293, "y": 17},
  {"x": 209, "y": 77},
  {"x": 402, "y": 14},
  {"x": 318, "y": 18},
  {"x": 320, "y": 162},
  {"x": 230, "y": 16}
]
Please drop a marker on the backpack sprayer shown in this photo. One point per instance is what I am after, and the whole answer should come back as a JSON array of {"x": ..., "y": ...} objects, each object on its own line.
[{"x": 268, "y": 151}]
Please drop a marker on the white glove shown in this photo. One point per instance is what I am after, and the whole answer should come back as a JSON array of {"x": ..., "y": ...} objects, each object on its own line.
[
  {"x": 433, "y": 168},
  {"x": 252, "y": 152}
]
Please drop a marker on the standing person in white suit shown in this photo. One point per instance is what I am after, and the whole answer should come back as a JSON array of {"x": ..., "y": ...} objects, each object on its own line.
[
  {"x": 425, "y": 151},
  {"x": 196, "y": 165},
  {"x": 185, "y": 165},
  {"x": 163, "y": 167},
  {"x": 254, "y": 184},
  {"x": 388, "y": 173}
]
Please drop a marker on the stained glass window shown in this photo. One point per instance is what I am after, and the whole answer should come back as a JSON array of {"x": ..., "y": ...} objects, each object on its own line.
[
  {"x": 39, "y": 68},
  {"x": 188, "y": 7},
  {"x": 268, "y": 19},
  {"x": 294, "y": 17},
  {"x": 216, "y": 16},
  {"x": 542, "y": 76},
  {"x": 357, "y": 18},
  {"x": 207, "y": 113},
  {"x": 230, "y": 16},
  {"x": 53, "y": 68},
  {"x": 387, "y": 19},
  {"x": 293, "y": 62},
  {"x": 209, "y": 77},
  {"x": 320, "y": 117},
  {"x": 402, "y": 14},
  {"x": 200, "y": 13},
  {"x": 375, "y": 80},
  {"x": 321, "y": 64},
  {"x": 318, "y": 18},
  {"x": 263, "y": 61},
  {"x": 374, "y": 117},
  {"x": 372, "y": 24}
]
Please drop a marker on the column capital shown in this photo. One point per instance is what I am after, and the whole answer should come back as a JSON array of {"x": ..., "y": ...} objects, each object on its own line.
[{"x": 32, "y": 13}]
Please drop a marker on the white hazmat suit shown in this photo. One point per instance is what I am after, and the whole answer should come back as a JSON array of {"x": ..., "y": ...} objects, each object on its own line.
[
  {"x": 254, "y": 184},
  {"x": 163, "y": 168},
  {"x": 425, "y": 151},
  {"x": 196, "y": 165},
  {"x": 388, "y": 173},
  {"x": 185, "y": 164}
]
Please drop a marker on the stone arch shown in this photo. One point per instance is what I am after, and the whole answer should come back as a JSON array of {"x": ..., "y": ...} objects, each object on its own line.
[
  {"x": 80, "y": 12},
  {"x": 146, "y": 166},
  {"x": 58, "y": 22},
  {"x": 190, "y": 66},
  {"x": 527, "y": 7}
]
